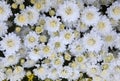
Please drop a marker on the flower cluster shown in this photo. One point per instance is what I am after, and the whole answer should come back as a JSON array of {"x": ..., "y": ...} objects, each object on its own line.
[{"x": 60, "y": 40}]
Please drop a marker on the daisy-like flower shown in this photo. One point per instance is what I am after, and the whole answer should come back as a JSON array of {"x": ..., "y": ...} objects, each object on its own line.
[
  {"x": 57, "y": 43},
  {"x": 110, "y": 39},
  {"x": 43, "y": 5},
  {"x": 114, "y": 11},
  {"x": 46, "y": 50},
  {"x": 75, "y": 75},
  {"x": 31, "y": 39},
  {"x": 3, "y": 28},
  {"x": 52, "y": 24},
  {"x": 69, "y": 11},
  {"x": 5, "y": 11},
  {"x": 92, "y": 42},
  {"x": 18, "y": 74},
  {"x": 57, "y": 62},
  {"x": 10, "y": 60},
  {"x": 34, "y": 53},
  {"x": 32, "y": 15},
  {"x": 118, "y": 42},
  {"x": 67, "y": 36},
  {"x": 81, "y": 26},
  {"x": 93, "y": 70},
  {"x": 76, "y": 48},
  {"x": 65, "y": 72},
  {"x": 21, "y": 19},
  {"x": 90, "y": 15},
  {"x": 53, "y": 73},
  {"x": 103, "y": 26},
  {"x": 10, "y": 43},
  {"x": 41, "y": 72}
]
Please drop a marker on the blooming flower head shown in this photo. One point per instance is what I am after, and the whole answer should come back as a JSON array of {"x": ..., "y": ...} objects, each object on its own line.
[
  {"x": 92, "y": 42},
  {"x": 90, "y": 15},
  {"x": 5, "y": 11},
  {"x": 10, "y": 43},
  {"x": 114, "y": 11},
  {"x": 69, "y": 11}
]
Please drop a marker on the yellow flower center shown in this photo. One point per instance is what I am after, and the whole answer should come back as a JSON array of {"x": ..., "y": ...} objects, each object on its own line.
[
  {"x": 78, "y": 47},
  {"x": 53, "y": 23},
  {"x": 57, "y": 44},
  {"x": 90, "y": 16},
  {"x": 67, "y": 57},
  {"x": 31, "y": 39},
  {"x": 43, "y": 39},
  {"x": 101, "y": 25},
  {"x": 11, "y": 59},
  {"x": 68, "y": 11},
  {"x": 46, "y": 49},
  {"x": 41, "y": 70},
  {"x": 109, "y": 38},
  {"x": 10, "y": 43},
  {"x": 21, "y": 18},
  {"x": 67, "y": 36},
  {"x": 38, "y": 30},
  {"x": 38, "y": 5},
  {"x": 79, "y": 59},
  {"x": 93, "y": 70},
  {"x": 117, "y": 68},
  {"x": 91, "y": 42},
  {"x": 1, "y": 10},
  {"x": 57, "y": 62},
  {"x": 116, "y": 10},
  {"x": 105, "y": 66}
]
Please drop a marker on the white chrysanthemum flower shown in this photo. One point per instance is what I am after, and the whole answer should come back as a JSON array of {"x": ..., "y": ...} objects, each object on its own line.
[
  {"x": 65, "y": 72},
  {"x": 52, "y": 24},
  {"x": 75, "y": 75},
  {"x": 81, "y": 26},
  {"x": 69, "y": 11},
  {"x": 43, "y": 5},
  {"x": 29, "y": 63},
  {"x": 31, "y": 39},
  {"x": 32, "y": 15},
  {"x": 19, "y": 1},
  {"x": 41, "y": 72},
  {"x": 3, "y": 28},
  {"x": 93, "y": 70},
  {"x": 18, "y": 74},
  {"x": 77, "y": 48},
  {"x": 53, "y": 73},
  {"x": 90, "y": 15},
  {"x": 34, "y": 53},
  {"x": 67, "y": 36},
  {"x": 103, "y": 26},
  {"x": 10, "y": 43},
  {"x": 92, "y": 42},
  {"x": 21, "y": 19},
  {"x": 57, "y": 44},
  {"x": 57, "y": 62},
  {"x": 2, "y": 76},
  {"x": 110, "y": 39},
  {"x": 5, "y": 11},
  {"x": 46, "y": 50},
  {"x": 114, "y": 11},
  {"x": 10, "y": 60}
]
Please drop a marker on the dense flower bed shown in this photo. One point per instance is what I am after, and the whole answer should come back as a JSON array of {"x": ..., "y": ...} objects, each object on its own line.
[{"x": 59, "y": 40}]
